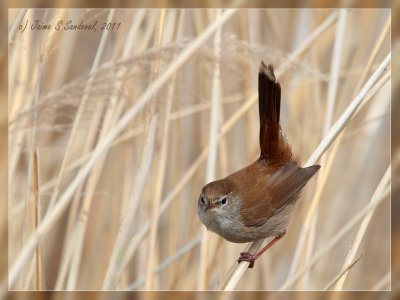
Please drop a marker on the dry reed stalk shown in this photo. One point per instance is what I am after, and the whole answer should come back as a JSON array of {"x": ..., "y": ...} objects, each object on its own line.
[
  {"x": 338, "y": 126},
  {"x": 15, "y": 97},
  {"x": 23, "y": 70},
  {"x": 275, "y": 28},
  {"x": 361, "y": 232},
  {"x": 334, "y": 240},
  {"x": 78, "y": 236},
  {"x": 189, "y": 111},
  {"x": 76, "y": 164},
  {"x": 30, "y": 274},
  {"x": 147, "y": 36},
  {"x": 144, "y": 168},
  {"x": 123, "y": 138},
  {"x": 166, "y": 263},
  {"x": 77, "y": 120},
  {"x": 163, "y": 36},
  {"x": 185, "y": 112},
  {"x": 129, "y": 134},
  {"x": 309, "y": 250},
  {"x": 335, "y": 67},
  {"x": 25, "y": 74},
  {"x": 138, "y": 237},
  {"x": 282, "y": 68},
  {"x": 33, "y": 157},
  {"x": 89, "y": 144},
  {"x": 133, "y": 243},
  {"x": 307, "y": 43},
  {"x": 326, "y": 169},
  {"x": 213, "y": 148},
  {"x": 65, "y": 49},
  {"x": 222, "y": 169},
  {"x": 36, "y": 185},
  {"x": 246, "y": 35},
  {"x": 64, "y": 200},
  {"x": 331, "y": 96},
  {"x": 320, "y": 185},
  {"x": 74, "y": 258},
  {"x": 110, "y": 280},
  {"x": 81, "y": 160},
  {"x": 322, "y": 178},
  {"x": 14, "y": 27},
  {"x": 354, "y": 132},
  {"x": 238, "y": 270},
  {"x": 159, "y": 184},
  {"x": 324, "y": 175},
  {"x": 223, "y": 147},
  {"x": 318, "y": 106},
  {"x": 345, "y": 270},
  {"x": 65, "y": 262},
  {"x": 374, "y": 52},
  {"x": 25, "y": 225},
  {"x": 176, "y": 210},
  {"x": 386, "y": 76}
]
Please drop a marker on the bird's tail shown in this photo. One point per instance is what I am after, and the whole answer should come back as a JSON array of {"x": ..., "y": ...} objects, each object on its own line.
[{"x": 269, "y": 102}]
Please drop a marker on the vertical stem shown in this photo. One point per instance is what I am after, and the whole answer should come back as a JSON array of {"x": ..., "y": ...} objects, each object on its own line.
[
  {"x": 371, "y": 58},
  {"x": 78, "y": 118},
  {"x": 213, "y": 146},
  {"x": 362, "y": 229},
  {"x": 161, "y": 167},
  {"x": 17, "y": 21},
  {"x": 335, "y": 65},
  {"x": 35, "y": 100},
  {"x": 331, "y": 97},
  {"x": 119, "y": 250},
  {"x": 36, "y": 196},
  {"x": 176, "y": 209},
  {"x": 337, "y": 238},
  {"x": 322, "y": 177},
  {"x": 83, "y": 216},
  {"x": 339, "y": 125}
]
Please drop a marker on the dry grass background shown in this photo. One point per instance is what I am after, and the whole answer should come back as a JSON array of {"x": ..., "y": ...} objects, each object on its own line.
[{"x": 113, "y": 134}]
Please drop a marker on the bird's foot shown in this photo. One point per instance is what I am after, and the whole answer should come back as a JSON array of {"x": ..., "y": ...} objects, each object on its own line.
[
  {"x": 251, "y": 258},
  {"x": 246, "y": 256}
]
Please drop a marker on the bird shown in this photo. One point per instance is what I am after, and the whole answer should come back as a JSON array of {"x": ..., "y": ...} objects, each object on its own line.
[{"x": 257, "y": 201}]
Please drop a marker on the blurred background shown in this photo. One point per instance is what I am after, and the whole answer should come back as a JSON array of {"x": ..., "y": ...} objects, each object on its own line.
[{"x": 129, "y": 221}]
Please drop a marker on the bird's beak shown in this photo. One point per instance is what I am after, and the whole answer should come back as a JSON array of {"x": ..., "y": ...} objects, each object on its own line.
[{"x": 209, "y": 206}]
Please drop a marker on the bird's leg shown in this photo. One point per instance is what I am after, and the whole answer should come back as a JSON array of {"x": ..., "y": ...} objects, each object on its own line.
[{"x": 251, "y": 258}]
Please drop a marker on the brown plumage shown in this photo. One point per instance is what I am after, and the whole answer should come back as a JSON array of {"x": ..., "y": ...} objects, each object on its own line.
[{"x": 256, "y": 202}]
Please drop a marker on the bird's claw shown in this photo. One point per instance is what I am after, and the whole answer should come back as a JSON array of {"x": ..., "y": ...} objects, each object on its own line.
[{"x": 246, "y": 256}]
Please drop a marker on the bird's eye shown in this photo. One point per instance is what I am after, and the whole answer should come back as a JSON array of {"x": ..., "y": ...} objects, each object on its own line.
[
  {"x": 223, "y": 201},
  {"x": 202, "y": 201}
]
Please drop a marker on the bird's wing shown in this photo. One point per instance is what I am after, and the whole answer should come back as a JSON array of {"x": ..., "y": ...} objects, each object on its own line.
[{"x": 274, "y": 192}]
